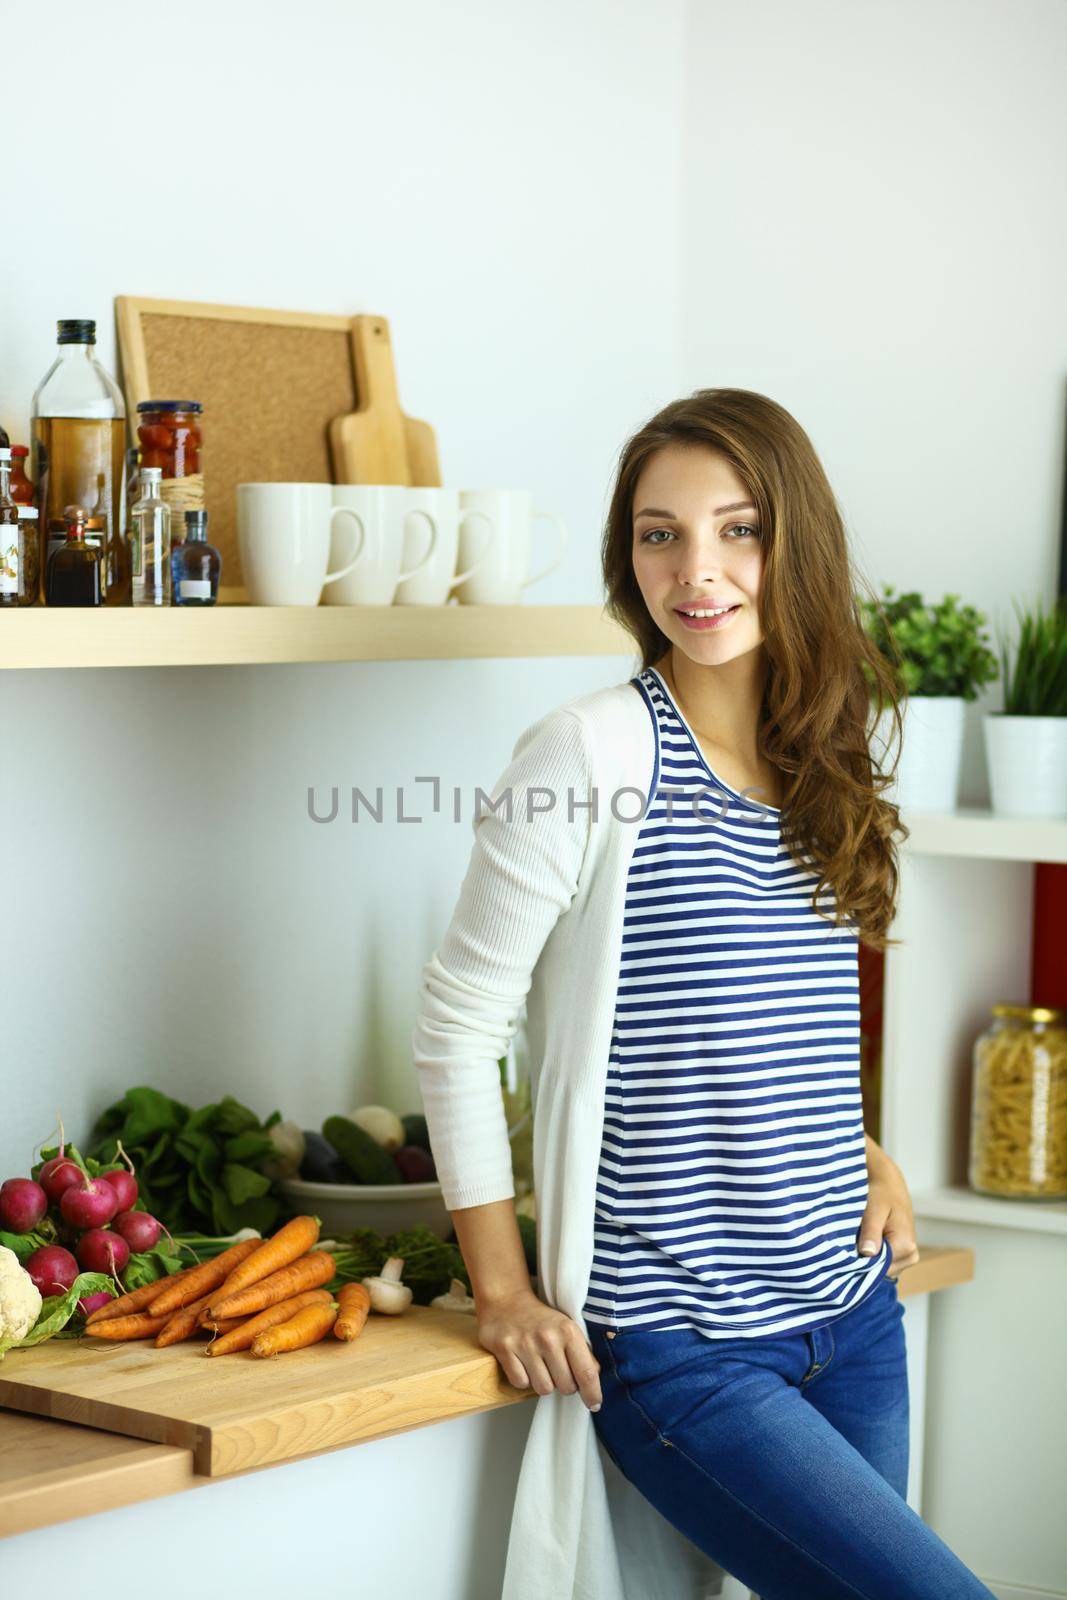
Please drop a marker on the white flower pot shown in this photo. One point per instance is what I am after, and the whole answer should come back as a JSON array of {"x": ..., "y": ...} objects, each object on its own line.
[
  {"x": 928, "y": 776},
  {"x": 1027, "y": 762}
]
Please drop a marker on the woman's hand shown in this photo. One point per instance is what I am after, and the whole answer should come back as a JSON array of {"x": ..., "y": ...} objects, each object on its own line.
[
  {"x": 539, "y": 1347},
  {"x": 889, "y": 1212}
]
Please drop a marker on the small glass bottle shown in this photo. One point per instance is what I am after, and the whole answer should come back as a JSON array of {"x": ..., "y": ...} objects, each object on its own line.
[
  {"x": 150, "y": 544},
  {"x": 73, "y": 577},
  {"x": 195, "y": 565},
  {"x": 21, "y": 488}
]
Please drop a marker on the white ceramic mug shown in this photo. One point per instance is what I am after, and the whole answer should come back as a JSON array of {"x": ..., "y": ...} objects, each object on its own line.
[
  {"x": 504, "y": 572},
  {"x": 380, "y": 509},
  {"x": 439, "y": 510},
  {"x": 283, "y": 533}
]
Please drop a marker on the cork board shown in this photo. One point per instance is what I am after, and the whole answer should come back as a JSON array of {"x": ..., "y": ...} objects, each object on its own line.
[{"x": 270, "y": 382}]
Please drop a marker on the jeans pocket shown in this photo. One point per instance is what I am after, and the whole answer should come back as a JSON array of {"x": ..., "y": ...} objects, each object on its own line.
[{"x": 636, "y": 1352}]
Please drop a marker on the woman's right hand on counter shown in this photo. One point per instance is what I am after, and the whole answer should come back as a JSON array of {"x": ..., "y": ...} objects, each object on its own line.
[{"x": 539, "y": 1347}]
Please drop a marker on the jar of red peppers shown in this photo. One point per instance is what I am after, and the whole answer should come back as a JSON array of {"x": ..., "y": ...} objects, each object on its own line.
[{"x": 170, "y": 436}]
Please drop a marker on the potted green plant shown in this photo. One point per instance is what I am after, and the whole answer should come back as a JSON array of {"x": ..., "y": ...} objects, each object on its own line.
[
  {"x": 941, "y": 659},
  {"x": 1026, "y": 743}
]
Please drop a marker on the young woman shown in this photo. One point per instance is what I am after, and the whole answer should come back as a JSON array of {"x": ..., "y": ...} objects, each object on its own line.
[{"x": 718, "y": 1239}]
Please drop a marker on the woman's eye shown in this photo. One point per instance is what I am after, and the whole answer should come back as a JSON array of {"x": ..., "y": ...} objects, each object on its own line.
[{"x": 743, "y": 527}]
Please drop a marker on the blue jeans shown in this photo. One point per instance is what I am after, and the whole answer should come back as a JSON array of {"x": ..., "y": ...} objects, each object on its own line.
[{"x": 784, "y": 1458}]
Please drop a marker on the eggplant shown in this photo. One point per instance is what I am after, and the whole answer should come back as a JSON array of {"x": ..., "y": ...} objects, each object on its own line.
[{"x": 321, "y": 1163}]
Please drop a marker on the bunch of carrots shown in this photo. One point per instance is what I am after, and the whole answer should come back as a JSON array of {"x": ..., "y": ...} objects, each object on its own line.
[{"x": 263, "y": 1295}]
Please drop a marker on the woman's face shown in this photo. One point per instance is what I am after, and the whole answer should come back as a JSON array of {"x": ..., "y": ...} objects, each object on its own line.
[{"x": 696, "y": 546}]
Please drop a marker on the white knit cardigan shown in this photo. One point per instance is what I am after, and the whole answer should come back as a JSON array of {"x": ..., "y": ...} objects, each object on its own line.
[{"x": 539, "y": 921}]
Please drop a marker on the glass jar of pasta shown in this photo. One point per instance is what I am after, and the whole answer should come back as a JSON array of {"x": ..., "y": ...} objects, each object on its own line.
[{"x": 1019, "y": 1105}]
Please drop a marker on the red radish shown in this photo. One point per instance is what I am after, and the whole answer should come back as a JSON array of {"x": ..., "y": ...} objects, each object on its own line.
[
  {"x": 57, "y": 1175},
  {"x": 125, "y": 1186},
  {"x": 415, "y": 1164},
  {"x": 92, "y": 1302},
  {"x": 92, "y": 1204},
  {"x": 52, "y": 1269},
  {"x": 100, "y": 1250},
  {"x": 140, "y": 1231},
  {"x": 22, "y": 1205}
]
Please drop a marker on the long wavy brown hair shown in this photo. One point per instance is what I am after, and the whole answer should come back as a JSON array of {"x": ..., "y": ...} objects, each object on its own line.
[{"x": 825, "y": 677}]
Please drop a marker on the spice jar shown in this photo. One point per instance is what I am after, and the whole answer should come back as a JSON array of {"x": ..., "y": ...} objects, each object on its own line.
[
  {"x": 1019, "y": 1105},
  {"x": 170, "y": 436},
  {"x": 19, "y": 558}
]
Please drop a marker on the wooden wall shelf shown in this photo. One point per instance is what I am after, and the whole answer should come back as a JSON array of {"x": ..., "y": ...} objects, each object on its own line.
[{"x": 180, "y": 636}]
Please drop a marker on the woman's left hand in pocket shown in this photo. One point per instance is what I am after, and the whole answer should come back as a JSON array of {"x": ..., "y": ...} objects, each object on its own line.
[{"x": 889, "y": 1213}]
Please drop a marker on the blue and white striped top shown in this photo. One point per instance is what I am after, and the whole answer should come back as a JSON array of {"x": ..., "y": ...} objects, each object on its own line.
[{"x": 732, "y": 1177}]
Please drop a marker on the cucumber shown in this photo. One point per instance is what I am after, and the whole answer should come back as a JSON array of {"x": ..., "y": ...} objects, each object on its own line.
[
  {"x": 416, "y": 1131},
  {"x": 362, "y": 1155}
]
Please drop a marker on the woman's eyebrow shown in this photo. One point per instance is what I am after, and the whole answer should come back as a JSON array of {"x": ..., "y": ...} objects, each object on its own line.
[{"x": 653, "y": 511}]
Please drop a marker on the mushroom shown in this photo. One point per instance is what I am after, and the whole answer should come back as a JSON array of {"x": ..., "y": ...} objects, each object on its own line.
[
  {"x": 387, "y": 1293},
  {"x": 457, "y": 1298}
]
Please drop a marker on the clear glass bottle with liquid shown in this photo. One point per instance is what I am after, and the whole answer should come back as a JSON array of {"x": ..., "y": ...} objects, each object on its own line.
[
  {"x": 195, "y": 565},
  {"x": 150, "y": 574},
  {"x": 78, "y": 446}
]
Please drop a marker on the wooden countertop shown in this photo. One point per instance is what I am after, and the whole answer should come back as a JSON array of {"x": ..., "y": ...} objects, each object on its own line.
[{"x": 56, "y": 1470}]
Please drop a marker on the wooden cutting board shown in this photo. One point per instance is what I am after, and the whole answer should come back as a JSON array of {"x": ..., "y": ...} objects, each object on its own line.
[
  {"x": 377, "y": 443},
  {"x": 238, "y": 1411}
]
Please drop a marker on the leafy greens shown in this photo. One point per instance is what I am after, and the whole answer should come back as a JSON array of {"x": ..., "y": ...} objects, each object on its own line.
[{"x": 198, "y": 1171}]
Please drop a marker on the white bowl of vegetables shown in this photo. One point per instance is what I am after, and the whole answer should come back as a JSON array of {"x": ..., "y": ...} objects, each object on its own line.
[{"x": 371, "y": 1169}]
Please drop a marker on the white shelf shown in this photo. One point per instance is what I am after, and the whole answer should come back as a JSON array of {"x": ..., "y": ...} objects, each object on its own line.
[
  {"x": 244, "y": 635},
  {"x": 960, "y": 1204},
  {"x": 978, "y": 832}
]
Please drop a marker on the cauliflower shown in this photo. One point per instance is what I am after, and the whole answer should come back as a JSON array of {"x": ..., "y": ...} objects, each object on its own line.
[{"x": 20, "y": 1299}]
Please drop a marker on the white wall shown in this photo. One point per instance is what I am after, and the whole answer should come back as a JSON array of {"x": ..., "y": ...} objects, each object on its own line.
[
  {"x": 874, "y": 233},
  {"x": 400, "y": 1506},
  {"x": 170, "y": 914}
]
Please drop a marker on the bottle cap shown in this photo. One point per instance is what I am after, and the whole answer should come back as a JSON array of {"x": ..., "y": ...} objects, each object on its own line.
[
  {"x": 169, "y": 405},
  {"x": 27, "y": 511},
  {"x": 196, "y": 523},
  {"x": 5, "y": 453},
  {"x": 151, "y": 475},
  {"x": 75, "y": 330},
  {"x": 20, "y": 450}
]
